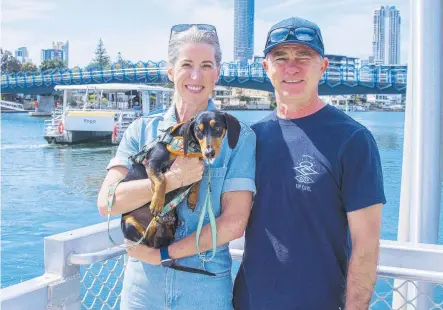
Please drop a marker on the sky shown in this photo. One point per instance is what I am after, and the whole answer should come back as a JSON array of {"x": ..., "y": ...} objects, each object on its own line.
[{"x": 139, "y": 29}]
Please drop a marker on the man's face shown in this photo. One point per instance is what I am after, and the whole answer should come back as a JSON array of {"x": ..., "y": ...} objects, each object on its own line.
[{"x": 295, "y": 70}]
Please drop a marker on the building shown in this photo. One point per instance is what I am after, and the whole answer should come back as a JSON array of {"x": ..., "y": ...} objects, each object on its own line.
[
  {"x": 222, "y": 96},
  {"x": 394, "y": 36},
  {"x": 243, "y": 30},
  {"x": 239, "y": 98},
  {"x": 63, "y": 47},
  {"x": 369, "y": 70},
  {"x": 386, "y": 36},
  {"x": 258, "y": 59},
  {"x": 378, "y": 41},
  {"x": 387, "y": 102},
  {"x": 51, "y": 54},
  {"x": 337, "y": 63},
  {"x": 22, "y": 55},
  {"x": 365, "y": 62}
]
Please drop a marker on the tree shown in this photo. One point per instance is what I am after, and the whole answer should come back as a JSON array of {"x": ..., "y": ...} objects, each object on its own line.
[
  {"x": 29, "y": 66},
  {"x": 52, "y": 64},
  {"x": 9, "y": 63},
  {"x": 101, "y": 57},
  {"x": 272, "y": 100},
  {"x": 120, "y": 61}
]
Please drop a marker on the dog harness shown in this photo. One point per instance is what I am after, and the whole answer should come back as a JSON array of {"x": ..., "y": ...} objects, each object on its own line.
[{"x": 173, "y": 145}]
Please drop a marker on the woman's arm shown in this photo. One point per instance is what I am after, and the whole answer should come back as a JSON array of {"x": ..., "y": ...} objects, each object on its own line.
[
  {"x": 134, "y": 194},
  {"x": 230, "y": 226}
]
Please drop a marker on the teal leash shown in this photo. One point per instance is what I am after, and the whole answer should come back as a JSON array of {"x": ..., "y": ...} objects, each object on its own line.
[
  {"x": 171, "y": 205},
  {"x": 111, "y": 197},
  {"x": 207, "y": 207}
]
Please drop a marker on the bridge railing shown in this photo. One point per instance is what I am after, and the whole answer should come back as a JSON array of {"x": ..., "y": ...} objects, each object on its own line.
[
  {"x": 82, "y": 272},
  {"x": 12, "y": 105},
  {"x": 155, "y": 72}
]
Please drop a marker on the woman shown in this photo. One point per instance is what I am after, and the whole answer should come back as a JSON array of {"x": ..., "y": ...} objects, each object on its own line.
[{"x": 194, "y": 68}]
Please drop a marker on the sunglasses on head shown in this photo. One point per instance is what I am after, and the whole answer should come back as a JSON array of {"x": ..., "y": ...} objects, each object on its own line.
[
  {"x": 183, "y": 27},
  {"x": 305, "y": 34}
]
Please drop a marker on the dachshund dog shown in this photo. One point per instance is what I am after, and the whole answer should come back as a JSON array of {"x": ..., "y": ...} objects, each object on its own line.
[{"x": 201, "y": 136}]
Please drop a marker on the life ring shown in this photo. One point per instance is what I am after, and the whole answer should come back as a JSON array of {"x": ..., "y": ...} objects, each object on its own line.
[
  {"x": 61, "y": 127},
  {"x": 114, "y": 132}
]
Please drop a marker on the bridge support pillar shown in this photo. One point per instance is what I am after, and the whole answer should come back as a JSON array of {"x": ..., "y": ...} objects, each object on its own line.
[{"x": 46, "y": 104}]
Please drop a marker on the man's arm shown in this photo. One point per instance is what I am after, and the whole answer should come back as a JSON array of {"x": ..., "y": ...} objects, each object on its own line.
[{"x": 364, "y": 225}]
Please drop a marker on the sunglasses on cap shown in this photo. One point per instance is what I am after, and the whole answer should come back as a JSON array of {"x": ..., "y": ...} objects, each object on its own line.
[
  {"x": 304, "y": 34},
  {"x": 183, "y": 27}
]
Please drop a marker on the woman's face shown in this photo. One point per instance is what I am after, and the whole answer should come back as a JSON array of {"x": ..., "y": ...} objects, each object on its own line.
[{"x": 195, "y": 72}]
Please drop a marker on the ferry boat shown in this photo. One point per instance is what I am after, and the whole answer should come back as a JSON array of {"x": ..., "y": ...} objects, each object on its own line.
[{"x": 102, "y": 111}]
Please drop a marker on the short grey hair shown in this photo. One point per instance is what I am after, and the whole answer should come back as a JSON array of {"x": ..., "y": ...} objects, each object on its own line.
[{"x": 193, "y": 35}]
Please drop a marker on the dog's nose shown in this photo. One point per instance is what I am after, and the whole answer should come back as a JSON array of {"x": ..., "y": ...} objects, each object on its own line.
[{"x": 209, "y": 153}]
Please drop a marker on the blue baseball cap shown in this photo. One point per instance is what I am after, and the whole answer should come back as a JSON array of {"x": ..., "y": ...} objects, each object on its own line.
[{"x": 295, "y": 30}]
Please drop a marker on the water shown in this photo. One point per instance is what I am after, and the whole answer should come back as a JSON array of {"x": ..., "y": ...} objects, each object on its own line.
[{"x": 48, "y": 189}]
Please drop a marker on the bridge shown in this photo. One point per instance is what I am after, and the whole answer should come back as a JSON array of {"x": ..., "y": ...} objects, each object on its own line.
[{"x": 337, "y": 80}]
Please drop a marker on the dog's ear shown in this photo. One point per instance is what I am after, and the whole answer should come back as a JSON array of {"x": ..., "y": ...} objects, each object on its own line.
[
  {"x": 187, "y": 132},
  {"x": 233, "y": 127}
]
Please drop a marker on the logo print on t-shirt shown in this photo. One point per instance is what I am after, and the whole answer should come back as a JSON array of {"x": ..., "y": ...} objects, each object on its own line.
[{"x": 305, "y": 170}]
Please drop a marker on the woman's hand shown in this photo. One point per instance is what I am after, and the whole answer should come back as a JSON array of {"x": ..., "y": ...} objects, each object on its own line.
[
  {"x": 187, "y": 170},
  {"x": 143, "y": 253}
]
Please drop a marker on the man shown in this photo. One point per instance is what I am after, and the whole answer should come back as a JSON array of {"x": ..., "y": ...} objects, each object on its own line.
[{"x": 319, "y": 191}]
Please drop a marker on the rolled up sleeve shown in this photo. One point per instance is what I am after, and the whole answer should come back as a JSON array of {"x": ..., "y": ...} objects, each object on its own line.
[
  {"x": 129, "y": 145},
  {"x": 240, "y": 175}
]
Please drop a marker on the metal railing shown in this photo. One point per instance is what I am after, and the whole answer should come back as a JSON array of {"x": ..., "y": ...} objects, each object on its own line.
[
  {"x": 382, "y": 297},
  {"x": 101, "y": 277},
  {"x": 50, "y": 127},
  {"x": 386, "y": 289},
  {"x": 155, "y": 72},
  {"x": 81, "y": 272},
  {"x": 12, "y": 105},
  {"x": 123, "y": 123}
]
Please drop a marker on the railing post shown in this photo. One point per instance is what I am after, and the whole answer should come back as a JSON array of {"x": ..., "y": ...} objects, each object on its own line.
[
  {"x": 65, "y": 293},
  {"x": 421, "y": 181}
]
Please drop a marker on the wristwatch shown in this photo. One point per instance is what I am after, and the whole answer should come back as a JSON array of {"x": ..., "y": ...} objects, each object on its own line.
[{"x": 166, "y": 260}]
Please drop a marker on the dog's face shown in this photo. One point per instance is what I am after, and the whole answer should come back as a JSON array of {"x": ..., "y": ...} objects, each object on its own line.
[{"x": 210, "y": 127}]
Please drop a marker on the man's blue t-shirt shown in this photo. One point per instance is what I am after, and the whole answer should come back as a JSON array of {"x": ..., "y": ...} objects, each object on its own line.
[{"x": 310, "y": 172}]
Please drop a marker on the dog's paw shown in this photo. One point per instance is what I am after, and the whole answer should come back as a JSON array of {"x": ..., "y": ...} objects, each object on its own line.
[
  {"x": 152, "y": 232},
  {"x": 192, "y": 200},
  {"x": 156, "y": 207},
  {"x": 192, "y": 204}
]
